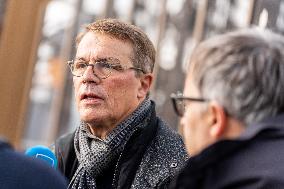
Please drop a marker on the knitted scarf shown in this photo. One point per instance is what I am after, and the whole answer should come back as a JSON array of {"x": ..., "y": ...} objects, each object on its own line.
[{"x": 95, "y": 154}]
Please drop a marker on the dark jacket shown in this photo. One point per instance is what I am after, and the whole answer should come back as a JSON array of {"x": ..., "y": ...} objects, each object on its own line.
[
  {"x": 253, "y": 161},
  {"x": 20, "y": 172},
  {"x": 150, "y": 158}
]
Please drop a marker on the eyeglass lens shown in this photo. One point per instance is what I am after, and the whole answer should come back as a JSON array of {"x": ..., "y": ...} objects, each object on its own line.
[{"x": 102, "y": 69}]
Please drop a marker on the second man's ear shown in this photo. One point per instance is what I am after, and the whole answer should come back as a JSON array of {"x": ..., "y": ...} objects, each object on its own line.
[{"x": 218, "y": 120}]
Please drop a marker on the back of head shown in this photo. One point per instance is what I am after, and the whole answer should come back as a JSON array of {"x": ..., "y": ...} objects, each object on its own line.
[
  {"x": 21, "y": 172},
  {"x": 144, "y": 51},
  {"x": 243, "y": 71}
]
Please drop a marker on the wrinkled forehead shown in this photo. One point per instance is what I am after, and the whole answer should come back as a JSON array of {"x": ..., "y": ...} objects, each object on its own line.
[{"x": 97, "y": 44}]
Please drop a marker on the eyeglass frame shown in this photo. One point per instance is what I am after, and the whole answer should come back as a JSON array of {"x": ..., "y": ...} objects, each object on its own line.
[
  {"x": 117, "y": 67},
  {"x": 175, "y": 97}
]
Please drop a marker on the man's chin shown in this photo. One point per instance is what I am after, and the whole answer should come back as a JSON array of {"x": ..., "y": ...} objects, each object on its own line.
[{"x": 91, "y": 118}]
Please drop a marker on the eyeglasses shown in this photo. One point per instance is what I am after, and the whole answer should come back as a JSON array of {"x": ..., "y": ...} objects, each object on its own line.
[
  {"x": 102, "y": 68},
  {"x": 179, "y": 102}
]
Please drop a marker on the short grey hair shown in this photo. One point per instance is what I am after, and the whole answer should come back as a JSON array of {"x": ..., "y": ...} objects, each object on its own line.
[
  {"x": 243, "y": 71},
  {"x": 144, "y": 50}
]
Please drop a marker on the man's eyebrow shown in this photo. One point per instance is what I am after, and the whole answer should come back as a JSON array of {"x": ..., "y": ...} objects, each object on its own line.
[
  {"x": 80, "y": 58},
  {"x": 111, "y": 60}
]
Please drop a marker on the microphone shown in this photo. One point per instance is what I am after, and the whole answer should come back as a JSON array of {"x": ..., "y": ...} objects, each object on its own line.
[{"x": 43, "y": 153}]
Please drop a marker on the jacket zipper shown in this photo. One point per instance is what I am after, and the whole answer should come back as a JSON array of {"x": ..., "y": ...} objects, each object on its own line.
[
  {"x": 115, "y": 175},
  {"x": 114, "y": 180}
]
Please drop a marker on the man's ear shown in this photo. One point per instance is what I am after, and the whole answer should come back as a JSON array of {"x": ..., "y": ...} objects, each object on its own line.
[
  {"x": 218, "y": 120},
  {"x": 145, "y": 84}
]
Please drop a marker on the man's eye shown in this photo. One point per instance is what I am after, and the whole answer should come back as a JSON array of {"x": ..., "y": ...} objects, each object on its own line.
[
  {"x": 106, "y": 65},
  {"x": 103, "y": 64},
  {"x": 79, "y": 65}
]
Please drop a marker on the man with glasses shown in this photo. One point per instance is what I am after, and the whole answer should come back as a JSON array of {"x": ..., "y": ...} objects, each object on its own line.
[
  {"x": 120, "y": 143},
  {"x": 232, "y": 112}
]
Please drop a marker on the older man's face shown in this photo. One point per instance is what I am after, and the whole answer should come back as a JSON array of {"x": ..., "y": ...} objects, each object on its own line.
[{"x": 106, "y": 102}]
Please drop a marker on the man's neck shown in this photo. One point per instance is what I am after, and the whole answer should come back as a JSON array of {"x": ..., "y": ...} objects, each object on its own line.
[
  {"x": 103, "y": 129},
  {"x": 234, "y": 130},
  {"x": 100, "y": 132}
]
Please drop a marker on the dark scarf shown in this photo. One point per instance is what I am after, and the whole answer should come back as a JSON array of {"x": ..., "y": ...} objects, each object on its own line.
[{"x": 95, "y": 155}]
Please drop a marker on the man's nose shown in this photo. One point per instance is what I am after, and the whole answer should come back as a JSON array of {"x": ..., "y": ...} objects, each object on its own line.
[{"x": 90, "y": 76}]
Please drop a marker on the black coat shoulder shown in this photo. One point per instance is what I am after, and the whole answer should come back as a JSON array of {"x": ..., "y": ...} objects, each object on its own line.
[{"x": 66, "y": 156}]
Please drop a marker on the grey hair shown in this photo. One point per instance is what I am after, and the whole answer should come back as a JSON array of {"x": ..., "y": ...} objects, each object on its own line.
[
  {"x": 243, "y": 71},
  {"x": 144, "y": 50}
]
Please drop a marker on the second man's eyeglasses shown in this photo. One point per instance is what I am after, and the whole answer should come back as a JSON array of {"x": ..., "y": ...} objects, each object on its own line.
[{"x": 179, "y": 102}]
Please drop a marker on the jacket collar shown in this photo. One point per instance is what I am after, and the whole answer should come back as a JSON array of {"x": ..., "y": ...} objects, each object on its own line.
[
  {"x": 270, "y": 123},
  {"x": 272, "y": 126},
  {"x": 133, "y": 152}
]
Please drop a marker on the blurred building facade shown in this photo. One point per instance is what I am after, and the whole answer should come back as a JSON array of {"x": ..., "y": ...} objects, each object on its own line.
[{"x": 174, "y": 26}]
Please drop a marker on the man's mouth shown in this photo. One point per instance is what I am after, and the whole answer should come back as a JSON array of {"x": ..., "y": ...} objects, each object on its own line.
[{"x": 90, "y": 97}]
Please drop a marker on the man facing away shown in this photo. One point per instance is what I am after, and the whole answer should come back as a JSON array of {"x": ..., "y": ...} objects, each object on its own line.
[
  {"x": 233, "y": 112},
  {"x": 120, "y": 143}
]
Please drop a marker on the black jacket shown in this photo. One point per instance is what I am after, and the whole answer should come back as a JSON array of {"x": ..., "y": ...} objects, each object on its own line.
[
  {"x": 21, "y": 172},
  {"x": 149, "y": 160},
  {"x": 253, "y": 161}
]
